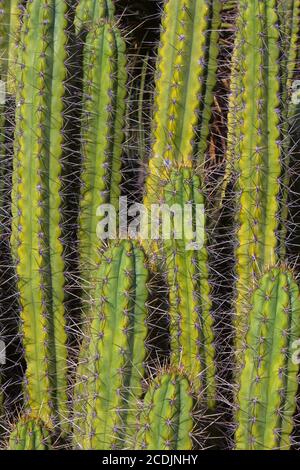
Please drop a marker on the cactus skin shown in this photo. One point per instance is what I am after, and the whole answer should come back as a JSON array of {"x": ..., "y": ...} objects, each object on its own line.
[
  {"x": 36, "y": 239},
  {"x": 182, "y": 76},
  {"x": 30, "y": 433},
  {"x": 102, "y": 135},
  {"x": 89, "y": 12},
  {"x": 186, "y": 271},
  {"x": 254, "y": 137},
  {"x": 268, "y": 382},
  {"x": 166, "y": 421},
  {"x": 111, "y": 361}
]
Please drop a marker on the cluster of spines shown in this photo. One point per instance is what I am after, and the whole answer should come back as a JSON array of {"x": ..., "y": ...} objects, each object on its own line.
[
  {"x": 111, "y": 362},
  {"x": 30, "y": 433},
  {"x": 268, "y": 381},
  {"x": 166, "y": 416},
  {"x": 37, "y": 204},
  {"x": 104, "y": 92}
]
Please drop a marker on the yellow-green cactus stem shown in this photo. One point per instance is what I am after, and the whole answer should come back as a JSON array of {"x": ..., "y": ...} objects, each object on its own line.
[
  {"x": 254, "y": 138},
  {"x": 37, "y": 205},
  {"x": 289, "y": 15},
  {"x": 181, "y": 254},
  {"x": 166, "y": 421},
  {"x": 29, "y": 433},
  {"x": 89, "y": 12},
  {"x": 268, "y": 381},
  {"x": 104, "y": 93},
  {"x": 110, "y": 371},
  {"x": 186, "y": 75}
]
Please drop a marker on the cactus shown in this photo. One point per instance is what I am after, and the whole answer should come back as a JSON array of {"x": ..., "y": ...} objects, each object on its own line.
[
  {"x": 89, "y": 12},
  {"x": 268, "y": 381},
  {"x": 254, "y": 137},
  {"x": 289, "y": 14},
  {"x": 104, "y": 91},
  {"x": 30, "y": 433},
  {"x": 37, "y": 210},
  {"x": 111, "y": 361},
  {"x": 184, "y": 260},
  {"x": 185, "y": 79},
  {"x": 166, "y": 421}
]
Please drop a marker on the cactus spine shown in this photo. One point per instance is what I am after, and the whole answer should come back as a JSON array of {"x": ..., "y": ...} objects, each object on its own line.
[
  {"x": 268, "y": 381},
  {"x": 29, "y": 434},
  {"x": 256, "y": 144},
  {"x": 37, "y": 214},
  {"x": 111, "y": 361},
  {"x": 104, "y": 89},
  {"x": 166, "y": 421},
  {"x": 181, "y": 91}
]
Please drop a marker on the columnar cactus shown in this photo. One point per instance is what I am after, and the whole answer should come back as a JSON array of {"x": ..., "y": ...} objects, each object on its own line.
[
  {"x": 89, "y": 12},
  {"x": 104, "y": 91},
  {"x": 268, "y": 380},
  {"x": 30, "y": 433},
  {"x": 37, "y": 204},
  {"x": 110, "y": 367},
  {"x": 186, "y": 75},
  {"x": 184, "y": 260},
  {"x": 166, "y": 421},
  {"x": 254, "y": 140}
]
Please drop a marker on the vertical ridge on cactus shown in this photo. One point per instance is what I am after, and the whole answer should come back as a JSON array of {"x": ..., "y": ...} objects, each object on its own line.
[
  {"x": 165, "y": 420},
  {"x": 111, "y": 367},
  {"x": 104, "y": 92},
  {"x": 268, "y": 381},
  {"x": 37, "y": 212}
]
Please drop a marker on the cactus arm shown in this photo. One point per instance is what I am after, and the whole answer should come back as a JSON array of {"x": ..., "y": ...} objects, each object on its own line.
[
  {"x": 180, "y": 64},
  {"x": 89, "y": 12},
  {"x": 268, "y": 381},
  {"x": 102, "y": 132},
  {"x": 258, "y": 148},
  {"x": 115, "y": 352},
  {"x": 37, "y": 170},
  {"x": 191, "y": 322},
  {"x": 166, "y": 418}
]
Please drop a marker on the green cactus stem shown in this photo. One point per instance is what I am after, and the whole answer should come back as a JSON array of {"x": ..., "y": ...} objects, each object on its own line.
[
  {"x": 166, "y": 421},
  {"x": 111, "y": 368},
  {"x": 37, "y": 205},
  {"x": 254, "y": 140},
  {"x": 89, "y": 12},
  {"x": 186, "y": 75},
  {"x": 29, "y": 433},
  {"x": 181, "y": 254},
  {"x": 104, "y": 92},
  {"x": 268, "y": 381}
]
